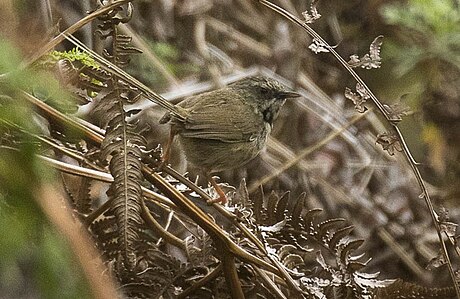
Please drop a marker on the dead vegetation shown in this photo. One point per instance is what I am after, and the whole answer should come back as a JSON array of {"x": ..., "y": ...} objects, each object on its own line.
[{"x": 335, "y": 199}]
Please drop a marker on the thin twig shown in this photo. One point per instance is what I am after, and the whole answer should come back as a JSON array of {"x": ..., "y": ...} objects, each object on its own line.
[
  {"x": 305, "y": 152},
  {"x": 147, "y": 51},
  {"x": 211, "y": 276},
  {"x": 231, "y": 276},
  {"x": 199, "y": 37},
  {"x": 103, "y": 177},
  {"x": 157, "y": 228},
  {"x": 269, "y": 283}
]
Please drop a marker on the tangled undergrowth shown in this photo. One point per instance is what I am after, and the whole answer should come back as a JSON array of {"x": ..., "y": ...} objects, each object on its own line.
[{"x": 335, "y": 207}]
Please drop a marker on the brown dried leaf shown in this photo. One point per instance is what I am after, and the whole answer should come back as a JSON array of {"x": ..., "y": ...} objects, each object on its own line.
[
  {"x": 372, "y": 60},
  {"x": 374, "y": 49},
  {"x": 389, "y": 143},
  {"x": 357, "y": 100},
  {"x": 443, "y": 214},
  {"x": 437, "y": 261},
  {"x": 311, "y": 15},
  {"x": 449, "y": 228},
  {"x": 397, "y": 111},
  {"x": 318, "y": 46},
  {"x": 362, "y": 91}
]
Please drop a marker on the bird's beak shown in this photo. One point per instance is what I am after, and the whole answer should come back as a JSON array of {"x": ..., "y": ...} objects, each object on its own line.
[{"x": 288, "y": 94}]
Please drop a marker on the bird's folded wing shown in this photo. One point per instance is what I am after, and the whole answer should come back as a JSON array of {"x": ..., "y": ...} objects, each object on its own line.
[{"x": 227, "y": 118}]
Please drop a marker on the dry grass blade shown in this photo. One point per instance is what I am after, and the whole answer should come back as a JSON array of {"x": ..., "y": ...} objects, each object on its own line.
[{"x": 102, "y": 286}]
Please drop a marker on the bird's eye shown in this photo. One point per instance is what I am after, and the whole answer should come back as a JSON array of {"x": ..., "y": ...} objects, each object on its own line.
[{"x": 264, "y": 90}]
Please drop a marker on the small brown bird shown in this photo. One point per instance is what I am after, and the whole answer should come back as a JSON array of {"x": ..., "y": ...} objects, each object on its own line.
[{"x": 228, "y": 127}]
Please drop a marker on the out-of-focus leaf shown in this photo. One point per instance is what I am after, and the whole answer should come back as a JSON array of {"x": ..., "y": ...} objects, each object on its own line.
[{"x": 312, "y": 14}]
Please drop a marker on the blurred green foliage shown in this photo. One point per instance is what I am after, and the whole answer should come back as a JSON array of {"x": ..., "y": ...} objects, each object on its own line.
[
  {"x": 429, "y": 35},
  {"x": 169, "y": 55},
  {"x": 35, "y": 260},
  {"x": 425, "y": 60},
  {"x": 49, "y": 89}
]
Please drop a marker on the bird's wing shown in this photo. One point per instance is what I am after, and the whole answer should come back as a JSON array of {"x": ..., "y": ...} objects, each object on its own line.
[{"x": 226, "y": 118}]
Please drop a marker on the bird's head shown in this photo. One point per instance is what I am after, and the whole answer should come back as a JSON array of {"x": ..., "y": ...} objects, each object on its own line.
[{"x": 268, "y": 95}]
